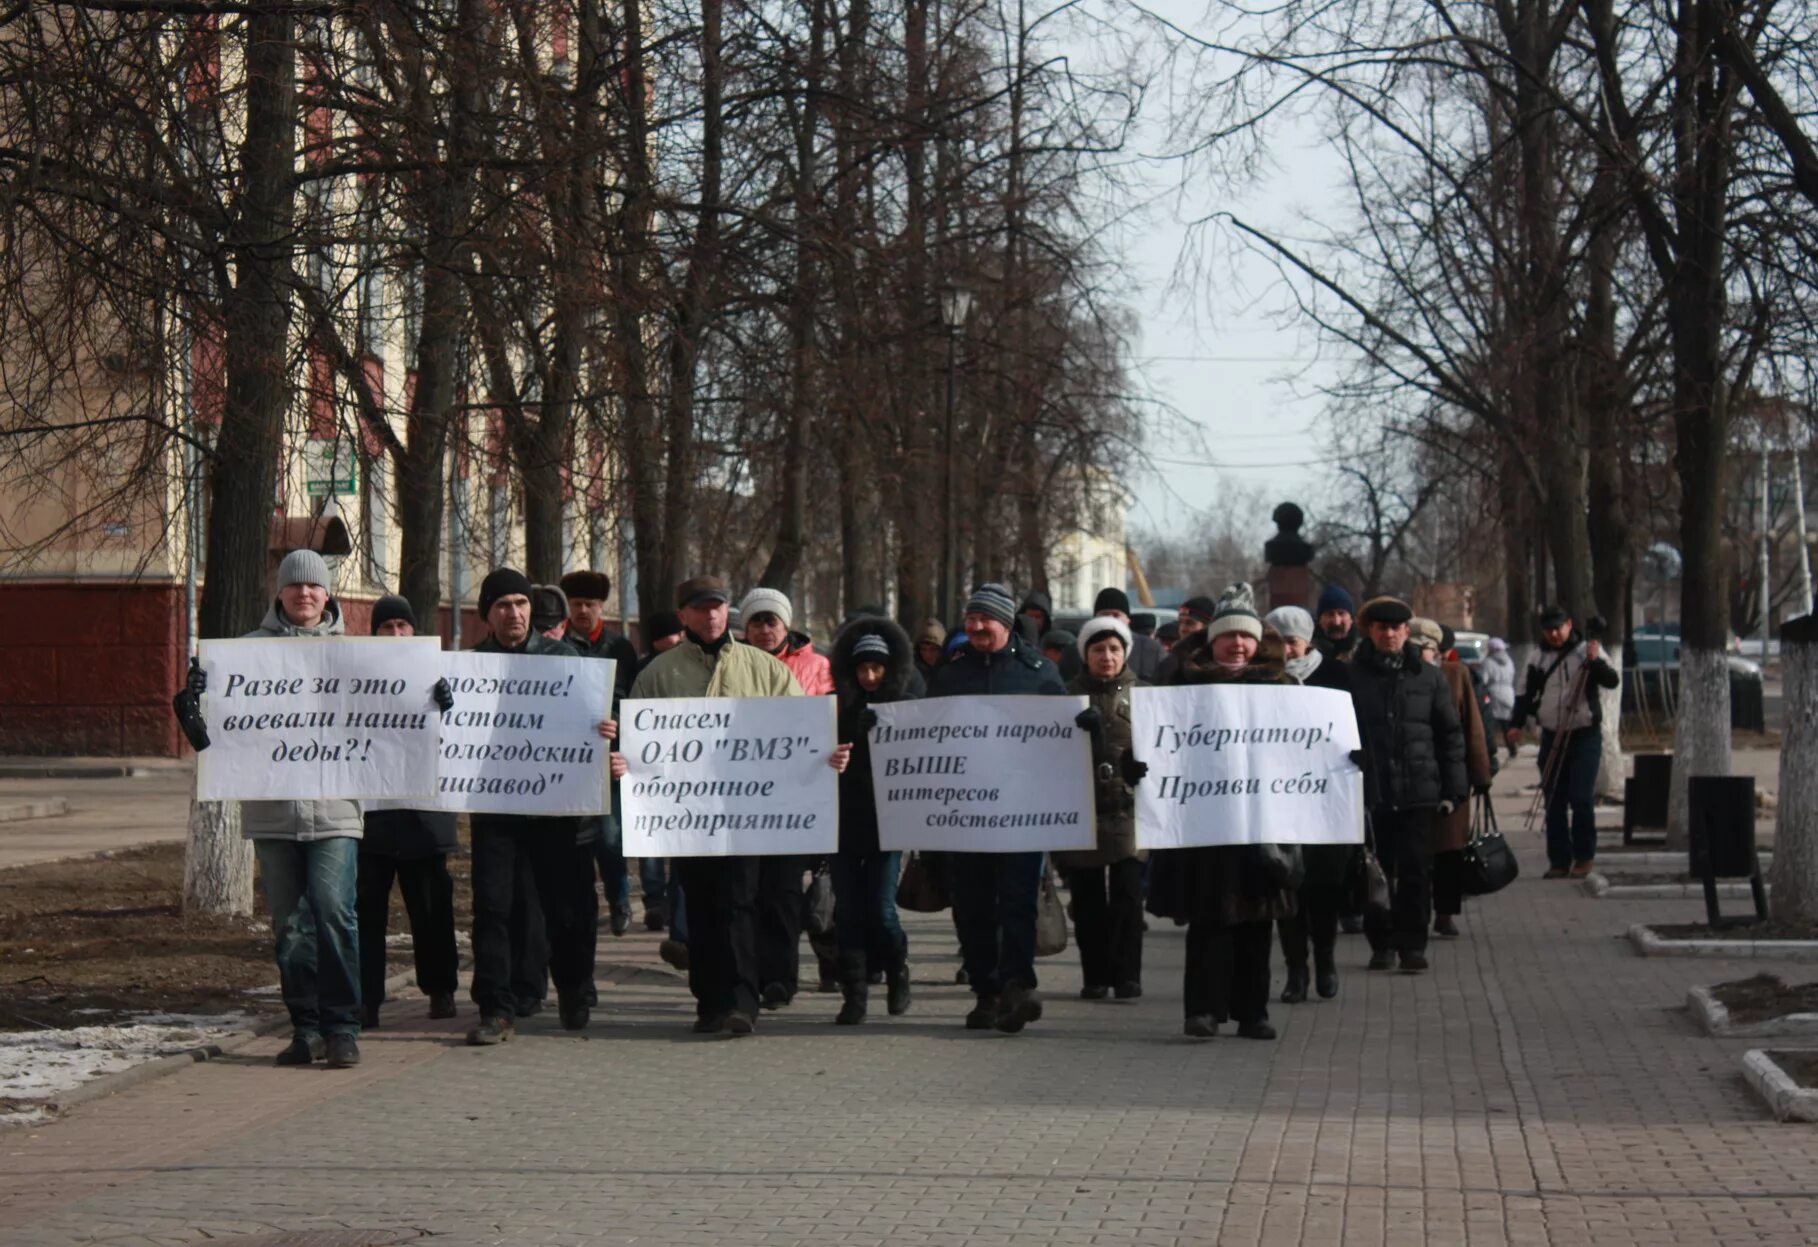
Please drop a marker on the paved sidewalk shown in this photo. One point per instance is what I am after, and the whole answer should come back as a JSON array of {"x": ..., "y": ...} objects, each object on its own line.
[
  {"x": 1541, "y": 1086},
  {"x": 148, "y": 806}
]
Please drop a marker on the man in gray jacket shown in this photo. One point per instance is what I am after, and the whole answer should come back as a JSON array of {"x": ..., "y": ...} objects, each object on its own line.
[{"x": 308, "y": 853}]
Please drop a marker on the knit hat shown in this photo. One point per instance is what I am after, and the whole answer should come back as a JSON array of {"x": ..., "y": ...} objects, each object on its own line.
[
  {"x": 391, "y": 607},
  {"x": 932, "y": 632},
  {"x": 871, "y": 647},
  {"x": 1498, "y": 645},
  {"x": 772, "y": 601},
  {"x": 1096, "y": 630},
  {"x": 995, "y": 601},
  {"x": 304, "y": 567},
  {"x": 1386, "y": 610},
  {"x": 1111, "y": 600},
  {"x": 1336, "y": 598},
  {"x": 503, "y": 582},
  {"x": 701, "y": 589},
  {"x": 548, "y": 607},
  {"x": 1169, "y": 631},
  {"x": 1448, "y": 639},
  {"x": 1142, "y": 623},
  {"x": 596, "y": 586},
  {"x": 1292, "y": 622},
  {"x": 1200, "y": 608},
  {"x": 1058, "y": 638},
  {"x": 1424, "y": 633},
  {"x": 663, "y": 623},
  {"x": 1236, "y": 612}
]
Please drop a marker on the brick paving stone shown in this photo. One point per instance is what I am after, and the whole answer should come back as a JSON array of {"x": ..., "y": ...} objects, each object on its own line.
[{"x": 1540, "y": 1086}]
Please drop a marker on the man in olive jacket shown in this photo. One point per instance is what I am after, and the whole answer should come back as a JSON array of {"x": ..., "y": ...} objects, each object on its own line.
[
  {"x": 724, "y": 966},
  {"x": 1414, "y": 773}
]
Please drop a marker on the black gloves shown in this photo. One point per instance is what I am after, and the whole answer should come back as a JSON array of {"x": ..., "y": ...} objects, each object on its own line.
[
  {"x": 444, "y": 696},
  {"x": 1133, "y": 768},
  {"x": 188, "y": 705},
  {"x": 1358, "y": 758},
  {"x": 1089, "y": 720},
  {"x": 1480, "y": 790},
  {"x": 867, "y": 720}
]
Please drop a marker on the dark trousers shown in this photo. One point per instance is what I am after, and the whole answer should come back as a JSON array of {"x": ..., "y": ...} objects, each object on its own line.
[
  {"x": 529, "y": 939},
  {"x": 1227, "y": 971},
  {"x": 563, "y": 873},
  {"x": 865, "y": 921},
  {"x": 1404, "y": 846},
  {"x": 1572, "y": 795},
  {"x": 1108, "y": 922},
  {"x": 1448, "y": 882},
  {"x": 779, "y": 921},
  {"x": 428, "y": 891},
  {"x": 722, "y": 932},
  {"x": 1316, "y": 911},
  {"x": 994, "y": 900}
]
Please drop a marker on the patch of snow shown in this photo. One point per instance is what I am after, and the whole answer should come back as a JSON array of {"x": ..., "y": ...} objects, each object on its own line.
[{"x": 36, "y": 1065}]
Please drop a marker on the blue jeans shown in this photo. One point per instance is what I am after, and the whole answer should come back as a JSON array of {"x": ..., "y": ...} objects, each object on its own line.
[
  {"x": 1573, "y": 793},
  {"x": 865, "y": 921},
  {"x": 994, "y": 901},
  {"x": 312, "y": 889}
]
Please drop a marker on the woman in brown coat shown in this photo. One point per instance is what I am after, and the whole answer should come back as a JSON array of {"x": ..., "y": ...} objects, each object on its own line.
[
  {"x": 1224, "y": 893},
  {"x": 1453, "y": 831},
  {"x": 1106, "y": 882}
]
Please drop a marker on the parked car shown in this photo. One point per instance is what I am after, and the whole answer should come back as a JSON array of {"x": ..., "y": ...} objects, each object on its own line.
[
  {"x": 1651, "y": 658},
  {"x": 1472, "y": 647}
]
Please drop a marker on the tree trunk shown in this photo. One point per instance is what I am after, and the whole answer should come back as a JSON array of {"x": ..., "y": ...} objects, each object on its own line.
[
  {"x": 217, "y": 862},
  {"x": 1794, "y": 874},
  {"x": 217, "y": 867}
]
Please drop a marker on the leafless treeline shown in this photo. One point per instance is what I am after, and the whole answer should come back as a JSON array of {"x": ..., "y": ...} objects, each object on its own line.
[{"x": 673, "y": 264}]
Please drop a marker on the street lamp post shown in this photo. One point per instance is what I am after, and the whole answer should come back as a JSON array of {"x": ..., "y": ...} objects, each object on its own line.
[{"x": 956, "y": 306}]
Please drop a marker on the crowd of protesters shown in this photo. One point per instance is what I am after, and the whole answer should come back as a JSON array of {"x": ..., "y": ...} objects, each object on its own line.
[{"x": 1430, "y": 730}]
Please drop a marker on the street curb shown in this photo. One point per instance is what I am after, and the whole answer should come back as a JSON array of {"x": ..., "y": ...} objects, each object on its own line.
[
  {"x": 1712, "y": 1015},
  {"x": 1786, "y": 1099},
  {"x": 1603, "y": 888},
  {"x": 26, "y": 811},
  {"x": 1649, "y": 943}
]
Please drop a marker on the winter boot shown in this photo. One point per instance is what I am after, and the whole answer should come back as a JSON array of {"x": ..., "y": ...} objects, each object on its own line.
[
  {"x": 1295, "y": 990},
  {"x": 897, "y": 999}
]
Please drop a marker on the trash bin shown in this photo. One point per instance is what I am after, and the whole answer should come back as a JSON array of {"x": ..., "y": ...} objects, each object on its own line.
[
  {"x": 1748, "y": 704},
  {"x": 1645, "y": 796},
  {"x": 1721, "y": 812}
]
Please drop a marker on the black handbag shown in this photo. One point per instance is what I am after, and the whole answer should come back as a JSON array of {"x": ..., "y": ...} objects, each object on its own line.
[
  {"x": 817, "y": 903},
  {"x": 1489, "y": 862},
  {"x": 922, "y": 889},
  {"x": 1281, "y": 865},
  {"x": 1368, "y": 891}
]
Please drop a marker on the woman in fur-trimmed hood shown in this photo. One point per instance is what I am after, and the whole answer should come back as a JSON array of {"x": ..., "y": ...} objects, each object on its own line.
[{"x": 872, "y": 661}]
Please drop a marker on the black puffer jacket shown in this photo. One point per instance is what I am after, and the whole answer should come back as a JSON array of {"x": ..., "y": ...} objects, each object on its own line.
[
  {"x": 1414, "y": 743},
  {"x": 858, "y": 799}
]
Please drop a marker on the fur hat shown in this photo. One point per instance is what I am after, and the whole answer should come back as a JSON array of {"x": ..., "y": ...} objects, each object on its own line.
[
  {"x": 596, "y": 586},
  {"x": 1095, "y": 629}
]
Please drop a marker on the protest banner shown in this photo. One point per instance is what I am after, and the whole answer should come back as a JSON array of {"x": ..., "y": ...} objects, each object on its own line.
[
  {"x": 1245, "y": 764},
  {"x": 983, "y": 775},
  {"x": 718, "y": 776},
  {"x": 523, "y": 737},
  {"x": 306, "y": 718}
]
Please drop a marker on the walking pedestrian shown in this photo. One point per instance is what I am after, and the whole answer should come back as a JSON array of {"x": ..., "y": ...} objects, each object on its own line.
[
  {"x": 308, "y": 855},
  {"x": 1498, "y": 673},
  {"x": 410, "y": 847},
  {"x": 1561, "y": 693},
  {"x": 1414, "y": 773},
  {"x": 1225, "y": 893},
  {"x": 1451, "y": 832},
  {"x": 557, "y": 851},
  {"x": 994, "y": 894},
  {"x": 871, "y": 667},
  {"x": 724, "y": 955},
  {"x": 1320, "y": 901},
  {"x": 1106, "y": 881}
]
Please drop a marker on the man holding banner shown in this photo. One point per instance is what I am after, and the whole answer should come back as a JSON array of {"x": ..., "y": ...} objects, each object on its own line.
[
  {"x": 995, "y": 894},
  {"x": 556, "y": 850},
  {"x": 722, "y": 892}
]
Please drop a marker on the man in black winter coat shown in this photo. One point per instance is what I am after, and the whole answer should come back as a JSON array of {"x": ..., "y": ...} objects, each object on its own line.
[
  {"x": 1414, "y": 772},
  {"x": 557, "y": 851},
  {"x": 412, "y": 847},
  {"x": 995, "y": 894}
]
